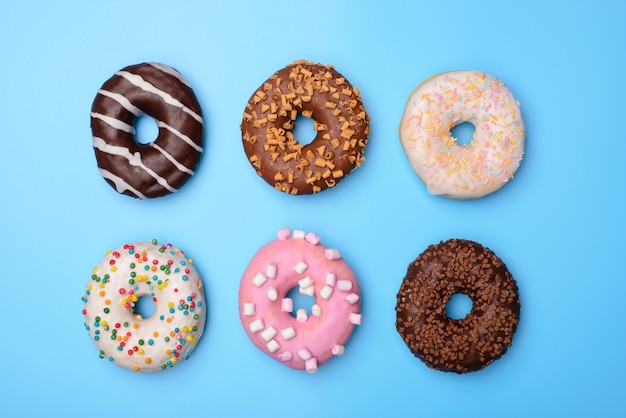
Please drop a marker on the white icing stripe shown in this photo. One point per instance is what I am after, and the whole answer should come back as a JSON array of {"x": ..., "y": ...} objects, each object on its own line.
[
  {"x": 172, "y": 159},
  {"x": 169, "y": 70},
  {"x": 123, "y": 101},
  {"x": 133, "y": 159},
  {"x": 180, "y": 135},
  {"x": 138, "y": 81},
  {"x": 115, "y": 123},
  {"x": 120, "y": 184}
]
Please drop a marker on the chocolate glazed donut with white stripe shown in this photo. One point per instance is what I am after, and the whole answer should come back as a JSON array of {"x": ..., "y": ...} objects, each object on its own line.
[{"x": 160, "y": 167}]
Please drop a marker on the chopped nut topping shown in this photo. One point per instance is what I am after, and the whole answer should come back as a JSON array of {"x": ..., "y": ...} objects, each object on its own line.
[{"x": 270, "y": 116}]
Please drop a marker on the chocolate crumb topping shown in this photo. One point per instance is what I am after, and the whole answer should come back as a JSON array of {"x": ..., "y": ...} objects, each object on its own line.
[
  {"x": 463, "y": 345},
  {"x": 318, "y": 92}
]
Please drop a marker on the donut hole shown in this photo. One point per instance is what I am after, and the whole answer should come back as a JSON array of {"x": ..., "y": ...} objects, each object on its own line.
[
  {"x": 300, "y": 301},
  {"x": 458, "y": 306},
  {"x": 146, "y": 129},
  {"x": 463, "y": 133},
  {"x": 303, "y": 130},
  {"x": 144, "y": 307}
]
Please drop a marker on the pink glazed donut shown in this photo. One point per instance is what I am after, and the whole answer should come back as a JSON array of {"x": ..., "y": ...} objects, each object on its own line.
[{"x": 303, "y": 341}]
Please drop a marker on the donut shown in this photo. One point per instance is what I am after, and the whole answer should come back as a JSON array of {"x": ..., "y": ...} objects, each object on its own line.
[
  {"x": 342, "y": 128},
  {"x": 457, "y": 345},
  {"x": 463, "y": 171},
  {"x": 125, "y": 338},
  {"x": 308, "y": 339},
  {"x": 164, "y": 165}
]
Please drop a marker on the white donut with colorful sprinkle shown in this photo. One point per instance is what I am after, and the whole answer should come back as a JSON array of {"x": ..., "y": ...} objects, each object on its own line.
[
  {"x": 161, "y": 273},
  {"x": 463, "y": 171},
  {"x": 301, "y": 340}
]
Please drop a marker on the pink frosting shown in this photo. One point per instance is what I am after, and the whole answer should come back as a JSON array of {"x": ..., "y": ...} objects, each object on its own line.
[{"x": 327, "y": 329}]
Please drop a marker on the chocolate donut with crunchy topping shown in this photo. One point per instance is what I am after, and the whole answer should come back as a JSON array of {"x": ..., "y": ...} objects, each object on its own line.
[
  {"x": 342, "y": 128},
  {"x": 457, "y": 345}
]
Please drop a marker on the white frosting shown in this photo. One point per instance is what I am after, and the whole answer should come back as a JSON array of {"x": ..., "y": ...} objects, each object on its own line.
[
  {"x": 138, "y": 81},
  {"x": 114, "y": 123},
  {"x": 171, "y": 159},
  {"x": 123, "y": 101},
  {"x": 133, "y": 159},
  {"x": 169, "y": 70},
  {"x": 122, "y": 336},
  {"x": 121, "y": 185},
  {"x": 179, "y": 134},
  {"x": 494, "y": 153}
]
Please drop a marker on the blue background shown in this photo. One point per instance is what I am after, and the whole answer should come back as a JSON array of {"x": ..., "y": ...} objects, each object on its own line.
[{"x": 559, "y": 225}]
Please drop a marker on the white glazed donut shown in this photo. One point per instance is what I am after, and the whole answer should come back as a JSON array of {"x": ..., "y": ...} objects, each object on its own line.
[
  {"x": 303, "y": 342},
  {"x": 124, "y": 275},
  {"x": 493, "y": 155}
]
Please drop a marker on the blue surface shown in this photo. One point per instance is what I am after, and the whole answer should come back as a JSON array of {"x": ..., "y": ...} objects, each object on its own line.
[{"x": 559, "y": 225}]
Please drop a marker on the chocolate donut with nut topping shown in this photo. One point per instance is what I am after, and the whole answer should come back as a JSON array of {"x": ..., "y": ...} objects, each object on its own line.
[{"x": 340, "y": 121}]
